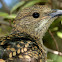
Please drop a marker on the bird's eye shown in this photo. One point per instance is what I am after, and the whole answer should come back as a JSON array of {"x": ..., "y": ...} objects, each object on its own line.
[{"x": 36, "y": 15}]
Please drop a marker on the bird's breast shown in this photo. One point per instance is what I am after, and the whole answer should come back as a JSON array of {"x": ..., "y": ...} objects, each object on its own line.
[{"x": 17, "y": 48}]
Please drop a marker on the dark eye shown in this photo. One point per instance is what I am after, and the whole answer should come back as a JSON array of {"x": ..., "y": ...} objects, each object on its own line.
[{"x": 36, "y": 15}]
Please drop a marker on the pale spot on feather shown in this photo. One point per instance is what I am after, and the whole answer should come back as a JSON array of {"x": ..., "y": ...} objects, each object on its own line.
[
  {"x": 10, "y": 55},
  {"x": 25, "y": 49},
  {"x": 20, "y": 56},
  {"x": 8, "y": 37},
  {"x": 18, "y": 45},
  {"x": 12, "y": 49},
  {"x": 22, "y": 50},
  {"x": 18, "y": 51},
  {"x": 27, "y": 45},
  {"x": 14, "y": 53},
  {"x": 40, "y": 60},
  {"x": 1, "y": 60},
  {"x": 26, "y": 56}
]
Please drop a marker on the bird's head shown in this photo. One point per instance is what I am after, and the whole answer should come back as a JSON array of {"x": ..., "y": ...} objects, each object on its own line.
[{"x": 35, "y": 20}]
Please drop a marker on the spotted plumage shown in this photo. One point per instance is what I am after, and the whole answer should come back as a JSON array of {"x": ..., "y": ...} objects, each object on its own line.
[
  {"x": 18, "y": 46},
  {"x": 25, "y": 44}
]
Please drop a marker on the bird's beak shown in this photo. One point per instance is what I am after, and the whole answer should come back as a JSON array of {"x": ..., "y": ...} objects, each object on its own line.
[{"x": 56, "y": 13}]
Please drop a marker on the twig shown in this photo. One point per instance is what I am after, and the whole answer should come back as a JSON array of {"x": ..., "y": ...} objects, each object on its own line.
[
  {"x": 10, "y": 23},
  {"x": 53, "y": 51},
  {"x": 56, "y": 4},
  {"x": 5, "y": 23},
  {"x": 54, "y": 39},
  {"x": 5, "y": 6}
]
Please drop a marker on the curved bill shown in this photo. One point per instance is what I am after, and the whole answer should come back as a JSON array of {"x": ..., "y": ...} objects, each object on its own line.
[{"x": 56, "y": 13}]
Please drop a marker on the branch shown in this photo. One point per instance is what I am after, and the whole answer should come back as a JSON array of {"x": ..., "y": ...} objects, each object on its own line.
[
  {"x": 6, "y": 23},
  {"x": 56, "y": 4},
  {"x": 53, "y": 51},
  {"x": 54, "y": 39},
  {"x": 5, "y": 6}
]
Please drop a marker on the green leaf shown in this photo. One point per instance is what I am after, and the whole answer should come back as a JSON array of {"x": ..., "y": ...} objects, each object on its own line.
[
  {"x": 6, "y": 15},
  {"x": 59, "y": 34},
  {"x": 12, "y": 16},
  {"x": 31, "y": 3},
  {"x": 16, "y": 6},
  {"x": 54, "y": 29},
  {"x": 3, "y": 14},
  {"x": 54, "y": 58},
  {"x": 49, "y": 60}
]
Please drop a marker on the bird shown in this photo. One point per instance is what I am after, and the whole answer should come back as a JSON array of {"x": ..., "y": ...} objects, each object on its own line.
[{"x": 24, "y": 43}]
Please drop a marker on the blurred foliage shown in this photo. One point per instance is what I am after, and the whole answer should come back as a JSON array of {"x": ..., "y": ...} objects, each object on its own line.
[
  {"x": 54, "y": 58},
  {"x": 59, "y": 34},
  {"x": 6, "y": 15},
  {"x": 16, "y": 6},
  {"x": 56, "y": 27}
]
